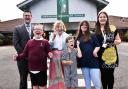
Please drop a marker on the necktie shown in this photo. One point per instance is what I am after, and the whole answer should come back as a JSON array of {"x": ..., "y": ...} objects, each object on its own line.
[{"x": 29, "y": 30}]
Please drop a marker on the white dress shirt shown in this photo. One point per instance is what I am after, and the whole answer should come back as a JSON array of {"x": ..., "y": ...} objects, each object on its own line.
[
  {"x": 28, "y": 27},
  {"x": 59, "y": 41}
]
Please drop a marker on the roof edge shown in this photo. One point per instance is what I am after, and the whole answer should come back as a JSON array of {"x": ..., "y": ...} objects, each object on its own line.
[
  {"x": 101, "y": 4},
  {"x": 103, "y": 1},
  {"x": 22, "y": 4}
]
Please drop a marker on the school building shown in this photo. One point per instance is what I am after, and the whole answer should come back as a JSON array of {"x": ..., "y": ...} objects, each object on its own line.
[
  {"x": 73, "y": 11},
  {"x": 70, "y": 11}
]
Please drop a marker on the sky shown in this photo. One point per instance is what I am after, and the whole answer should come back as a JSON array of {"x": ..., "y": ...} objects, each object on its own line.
[
  {"x": 9, "y": 10},
  {"x": 117, "y": 8}
]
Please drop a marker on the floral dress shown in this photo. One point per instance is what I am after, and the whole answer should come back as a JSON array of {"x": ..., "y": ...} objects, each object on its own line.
[{"x": 108, "y": 55}]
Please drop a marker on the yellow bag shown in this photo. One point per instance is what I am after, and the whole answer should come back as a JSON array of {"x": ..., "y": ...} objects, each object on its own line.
[{"x": 109, "y": 55}]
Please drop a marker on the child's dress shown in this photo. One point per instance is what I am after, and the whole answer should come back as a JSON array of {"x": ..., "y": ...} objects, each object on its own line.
[{"x": 56, "y": 79}]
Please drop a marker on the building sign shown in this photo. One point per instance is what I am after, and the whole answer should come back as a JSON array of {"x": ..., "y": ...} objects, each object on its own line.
[
  {"x": 62, "y": 10},
  {"x": 63, "y": 16}
]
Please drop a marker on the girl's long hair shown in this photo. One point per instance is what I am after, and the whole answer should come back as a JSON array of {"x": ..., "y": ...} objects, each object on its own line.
[
  {"x": 59, "y": 23},
  {"x": 86, "y": 34},
  {"x": 98, "y": 26}
]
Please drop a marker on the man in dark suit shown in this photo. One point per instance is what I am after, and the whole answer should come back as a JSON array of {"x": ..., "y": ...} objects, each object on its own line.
[{"x": 21, "y": 35}]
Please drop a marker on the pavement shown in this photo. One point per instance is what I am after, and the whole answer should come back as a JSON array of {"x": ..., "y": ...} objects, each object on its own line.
[{"x": 9, "y": 77}]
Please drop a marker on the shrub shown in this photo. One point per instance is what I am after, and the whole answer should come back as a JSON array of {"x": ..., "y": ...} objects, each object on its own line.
[
  {"x": 1, "y": 39},
  {"x": 126, "y": 36},
  {"x": 1, "y": 36},
  {"x": 1, "y": 42}
]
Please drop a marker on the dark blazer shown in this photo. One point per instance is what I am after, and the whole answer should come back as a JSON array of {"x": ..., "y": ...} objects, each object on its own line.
[{"x": 20, "y": 37}]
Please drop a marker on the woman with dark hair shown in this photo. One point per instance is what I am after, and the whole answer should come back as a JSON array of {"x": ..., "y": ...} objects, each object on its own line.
[
  {"x": 89, "y": 63},
  {"x": 108, "y": 38}
]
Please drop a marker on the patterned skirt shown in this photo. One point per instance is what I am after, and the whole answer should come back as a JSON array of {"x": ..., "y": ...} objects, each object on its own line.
[{"x": 56, "y": 78}]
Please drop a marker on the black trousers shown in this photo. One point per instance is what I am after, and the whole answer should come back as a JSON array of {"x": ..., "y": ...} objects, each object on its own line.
[
  {"x": 23, "y": 72},
  {"x": 107, "y": 77}
]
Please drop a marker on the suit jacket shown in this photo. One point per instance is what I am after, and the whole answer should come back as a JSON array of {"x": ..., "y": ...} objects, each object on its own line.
[{"x": 20, "y": 37}]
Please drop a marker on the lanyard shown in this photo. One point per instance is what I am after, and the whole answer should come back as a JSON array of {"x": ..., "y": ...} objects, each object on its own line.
[{"x": 104, "y": 36}]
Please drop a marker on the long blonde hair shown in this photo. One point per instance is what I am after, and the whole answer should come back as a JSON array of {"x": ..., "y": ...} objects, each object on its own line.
[{"x": 59, "y": 23}]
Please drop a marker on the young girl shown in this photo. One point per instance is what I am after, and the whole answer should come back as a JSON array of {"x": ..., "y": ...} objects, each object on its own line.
[
  {"x": 108, "y": 38},
  {"x": 57, "y": 41},
  {"x": 37, "y": 51},
  {"x": 89, "y": 63}
]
